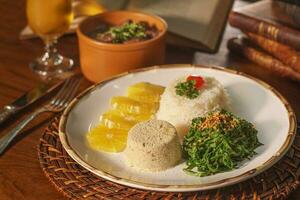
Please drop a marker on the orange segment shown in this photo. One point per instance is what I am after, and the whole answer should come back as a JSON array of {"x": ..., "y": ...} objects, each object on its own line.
[
  {"x": 109, "y": 140},
  {"x": 147, "y": 87},
  {"x": 145, "y": 92},
  {"x": 128, "y": 117},
  {"x": 128, "y": 105},
  {"x": 113, "y": 120},
  {"x": 140, "y": 105}
]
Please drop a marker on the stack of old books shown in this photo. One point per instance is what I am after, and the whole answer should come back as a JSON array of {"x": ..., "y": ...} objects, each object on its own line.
[{"x": 271, "y": 35}]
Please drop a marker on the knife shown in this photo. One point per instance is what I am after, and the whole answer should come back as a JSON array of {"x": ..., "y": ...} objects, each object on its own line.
[{"x": 25, "y": 100}]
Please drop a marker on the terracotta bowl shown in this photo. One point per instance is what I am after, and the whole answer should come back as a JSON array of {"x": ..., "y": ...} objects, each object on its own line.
[{"x": 100, "y": 60}]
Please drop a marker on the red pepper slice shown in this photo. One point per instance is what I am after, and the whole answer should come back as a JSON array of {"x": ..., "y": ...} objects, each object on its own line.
[{"x": 199, "y": 81}]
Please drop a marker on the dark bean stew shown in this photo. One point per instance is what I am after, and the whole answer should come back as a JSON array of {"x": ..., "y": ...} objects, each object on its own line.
[{"x": 127, "y": 32}]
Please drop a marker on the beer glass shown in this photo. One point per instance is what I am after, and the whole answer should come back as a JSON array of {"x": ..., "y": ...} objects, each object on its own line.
[{"x": 49, "y": 19}]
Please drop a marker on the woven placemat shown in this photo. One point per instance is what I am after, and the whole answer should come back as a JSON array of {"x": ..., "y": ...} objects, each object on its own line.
[{"x": 77, "y": 183}]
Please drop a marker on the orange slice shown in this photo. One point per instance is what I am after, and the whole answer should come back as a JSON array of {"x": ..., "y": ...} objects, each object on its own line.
[
  {"x": 128, "y": 117},
  {"x": 108, "y": 140},
  {"x": 140, "y": 105},
  {"x": 130, "y": 106},
  {"x": 113, "y": 119},
  {"x": 145, "y": 92}
]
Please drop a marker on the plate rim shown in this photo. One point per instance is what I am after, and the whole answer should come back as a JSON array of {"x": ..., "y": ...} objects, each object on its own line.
[{"x": 179, "y": 188}]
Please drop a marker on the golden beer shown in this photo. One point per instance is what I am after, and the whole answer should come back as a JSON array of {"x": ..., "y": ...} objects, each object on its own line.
[{"x": 49, "y": 18}]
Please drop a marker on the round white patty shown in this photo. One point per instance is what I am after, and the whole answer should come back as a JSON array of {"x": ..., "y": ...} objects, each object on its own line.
[{"x": 153, "y": 146}]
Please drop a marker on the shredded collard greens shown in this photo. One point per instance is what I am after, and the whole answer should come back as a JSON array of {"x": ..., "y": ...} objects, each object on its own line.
[
  {"x": 187, "y": 89},
  {"x": 218, "y": 142}
]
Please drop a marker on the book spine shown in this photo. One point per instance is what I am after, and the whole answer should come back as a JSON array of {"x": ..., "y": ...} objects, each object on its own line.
[
  {"x": 282, "y": 34},
  {"x": 244, "y": 47},
  {"x": 282, "y": 52},
  {"x": 293, "y": 2}
]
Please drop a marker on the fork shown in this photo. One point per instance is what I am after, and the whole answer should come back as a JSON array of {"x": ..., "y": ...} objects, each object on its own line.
[{"x": 57, "y": 104}]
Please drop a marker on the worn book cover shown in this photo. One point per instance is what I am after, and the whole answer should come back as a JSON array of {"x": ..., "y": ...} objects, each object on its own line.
[
  {"x": 244, "y": 47},
  {"x": 284, "y": 53},
  {"x": 275, "y": 20}
]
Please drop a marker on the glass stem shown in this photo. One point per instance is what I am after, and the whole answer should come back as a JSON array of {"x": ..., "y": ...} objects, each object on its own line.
[
  {"x": 51, "y": 57},
  {"x": 51, "y": 64}
]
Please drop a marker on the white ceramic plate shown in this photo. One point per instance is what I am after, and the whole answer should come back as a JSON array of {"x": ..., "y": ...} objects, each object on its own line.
[{"x": 252, "y": 99}]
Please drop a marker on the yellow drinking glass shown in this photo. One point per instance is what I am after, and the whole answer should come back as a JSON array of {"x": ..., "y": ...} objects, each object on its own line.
[{"x": 49, "y": 19}]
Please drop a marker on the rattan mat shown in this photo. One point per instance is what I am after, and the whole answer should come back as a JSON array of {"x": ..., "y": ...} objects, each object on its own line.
[{"x": 75, "y": 182}]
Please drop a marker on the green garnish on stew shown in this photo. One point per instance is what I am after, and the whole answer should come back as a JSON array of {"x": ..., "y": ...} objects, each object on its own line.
[
  {"x": 126, "y": 32},
  {"x": 187, "y": 89},
  {"x": 218, "y": 142}
]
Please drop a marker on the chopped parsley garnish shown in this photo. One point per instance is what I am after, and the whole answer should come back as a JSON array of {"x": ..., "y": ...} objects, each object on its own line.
[
  {"x": 187, "y": 89},
  {"x": 218, "y": 142},
  {"x": 125, "y": 32}
]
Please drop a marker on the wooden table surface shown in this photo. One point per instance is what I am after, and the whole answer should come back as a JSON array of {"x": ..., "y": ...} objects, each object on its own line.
[{"x": 20, "y": 174}]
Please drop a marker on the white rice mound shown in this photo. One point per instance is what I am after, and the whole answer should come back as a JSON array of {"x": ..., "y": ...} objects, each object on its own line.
[{"x": 180, "y": 110}]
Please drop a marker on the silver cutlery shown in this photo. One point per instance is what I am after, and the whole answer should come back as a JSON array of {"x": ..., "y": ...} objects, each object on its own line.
[
  {"x": 57, "y": 104},
  {"x": 25, "y": 100}
]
